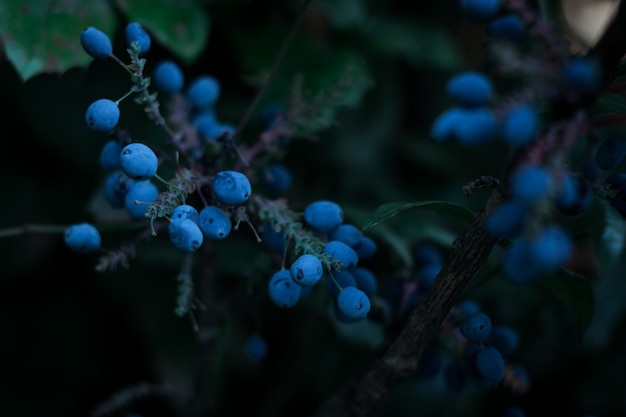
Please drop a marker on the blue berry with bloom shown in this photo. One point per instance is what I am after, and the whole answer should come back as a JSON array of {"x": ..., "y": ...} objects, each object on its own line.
[
  {"x": 476, "y": 327},
  {"x": 185, "y": 211},
  {"x": 168, "y": 77},
  {"x": 339, "y": 279},
  {"x": 520, "y": 125},
  {"x": 551, "y": 248},
  {"x": 116, "y": 186},
  {"x": 110, "y": 155},
  {"x": 283, "y": 291},
  {"x": 231, "y": 188},
  {"x": 470, "y": 89},
  {"x": 102, "y": 115},
  {"x": 185, "y": 235},
  {"x": 214, "y": 223},
  {"x": 489, "y": 364},
  {"x": 136, "y": 33},
  {"x": 343, "y": 253},
  {"x": 82, "y": 238},
  {"x": 276, "y": 178},
  {"x": 96, "y": 43},
  {"x": 138, "y": 161},
  {"x": 508, "y": 27},
  {"x": 353, "y": 303},
  {"x": 508, "y": 219},
  {"x": 477, "y": 126},
  {"x": 365, "y": 280},
  {"x": 306, "y": 270},
  {"x": 203, "y": 92},
  {"x": 323, "y": 216},
  {"x": 138, "y": 197},
  {"x": 530, "y": 183},
  {"x": 365, "y": 248}
]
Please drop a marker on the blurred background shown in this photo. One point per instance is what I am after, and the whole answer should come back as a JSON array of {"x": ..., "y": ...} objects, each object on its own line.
[{"x": 77, "y": 342}]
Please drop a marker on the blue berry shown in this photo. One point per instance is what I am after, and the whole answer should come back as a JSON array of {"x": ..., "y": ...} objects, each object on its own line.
[
  {"x": 323, "y": 216},
  {"x": 530, "y": 183},
  {"x": 476, "y": 127},
  {"x": 610, "y": 153},
  {"x": 231, "y": 188},
  {"x": 206, "y": 124},
  {"x": 136, "y": 33},
  {"x": 306, "y": 270},
  {"x": 214, "y": 223},
  {"x": 353, "y": 303},
  {"x": 138, "y": 161},
  {"x": 489, "y": 364},
  {"x": 274, "y": 240},
  {"x": 476, "y": 326},
  {"x": 276, "y": 178},
  {"x": 342, "y": 279},
  {"x": 467, "y": 307},
  {"x": 365, "y": 280},
  {"x": 116, "y": 186},
  {"x": 82, "y": 238},
  {"x": 520, "y": 125},
  {"x": 551, "y": 248},
  {"x": 218, "y": 130},
  {"x": 140, "y": 194},
  {"x": 581, "y": 74},
  {"x": 96, "y": 43},
  {"x": 426, "y": 253},
  {"x": 518, "y": 265},
  {"x": 102, "y": 115},
  {"x": 282, "y": 290},
  {"x": 256, "y": 347},
  {"x": 366, "y": 248},
  {"x": 346, "y": 233},
  {"x": 445, "y": 125},
  {"x": 427, "y": 274},
  {"x": 480, "y": 10},
  {"x": 343, "y": 253},
  {"x": 508, "y": 27},
  {"x": 573, "y": 195},
  {"x": 110, "y": 155},
  {"x": 168, "y": 77},
  {"x": 470, "y": 89},
  {"x": 203, "y": 92},
  {"x": 185, "y": 235},
  {"x": 508, "y": 219},
  {"x": 185, "y": 211},
  {"x": 503, "y": 338}
]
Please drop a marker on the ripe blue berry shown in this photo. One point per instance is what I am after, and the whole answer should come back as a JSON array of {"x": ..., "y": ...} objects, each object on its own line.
[
  {"x": 342, "y": 279},
  {"x": 346, "y": 233},
  {"x": 366, "y": 248},
  {"x": 110, "y": 155},
  {"x": 274, "y": 240},
  {"x": 203, "y": 92},
  {"x": 445, "y": 125},
  {"x": 530, "y": 183},
  {"x": 185, "y": 235},
  {"x": 185, "y": 211},
  {"x": 282, "y": 290},
  {"x": 353, "y": 303},
  {"x": 508, "y": 219},
  {"x": 206, "y": 124},
  {"x": 102, "y": 115},
  {"x": 343, "y": 253},
  {"x": 231, "y": 188},
  {"x": 470, "y": 89},
  {"x": 82, "y": 238},
  {"x": 96, "y": 43},
  {"x": 323, "y": 216},
  {"x": 168, "y": 77},
  {"x": 365, "y": 280},
  {"x": 140, "y": 194},
  {"x": 551, "y": 248},
  {"x": 610, "y": 153},
  {"x": 214, "y": 223},
  {"x": 520, "y": 125},
  {"x": 503, "y": 338},
  {"x": 518, "y": 265},
  {"x": 138, "y": 161},
  {"x": 476, "y": 326},
  {"x": 136, "y": 33},
  {"x": 581, "y": 75},
  {"x": 276, "y": 178},
  {"x": 116, "y": 186},
  {"x": 477, "y": 126},
  {"x": 573, "y": 195},
  {"x": 489, "y": 364},
  {"x": 508, "y": 27},
  {"x": 306, "y": 270}
]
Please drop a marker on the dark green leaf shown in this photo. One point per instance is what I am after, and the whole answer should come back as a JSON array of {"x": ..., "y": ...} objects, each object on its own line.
[
  {"x": 181, "y": 26},
  {"x": 610, "y": 103},
  {"x": 388, "y": 210},
  {"x": 44, "y": 36}
]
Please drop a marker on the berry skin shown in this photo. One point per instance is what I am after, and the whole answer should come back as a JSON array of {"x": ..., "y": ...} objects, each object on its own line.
[
  {"x": 140, "y": 194},
  {"x": 306, "y": 270},
  {"x": 214, "y": 223},
  {"x": 102, "y": 115},
  {"x": 476, "y": 327},
  {"x": 508, "y": 28},
  {"x": 116, "y": 186},
  {"x": 470, "y": 89},
  {"x": 344, "y": 279},
  {"x": 520, "y": 126},
  {"x": 503, "y": 338},
  {"x": 342, "y": 253},
  {"x": 138, "y": 161},
  {"x": 323, "y": 216},
  {"x": 518, "y": 265},
  {"x": 507, "y": 220},
  {"x": 530, "y": 183},
  {"x": 366, "y": 248},
  {"x": 185, "y": 211},
  {"x": 276, "y": 178},
  {"x": 82, "y": 238},
  {"x": 610, "y": 153},
  {"x": 135, "y": 32},
  {"x": 353, "y": 303},
  {"x": 96, "y": 43},
  {"x": 480, "y": 10},
  {"x": 168, "y": 77},
  {"x": 274, "y": 240},
  {"x": 365, "y": 280},
  {"x": 445, "y": 125},
  {"x": 477, "y": 126},
  {"x": 489, "y": 364},
  {"x": 231, "y": 188},
  {"x": 185, "y": 235},
  {"x": 551, "y": 248},
  {"x": 346, "y": 233},
  {"x": 282, "y": 290},
  {"x": 206, "y": 123},
  {"x": 581, "y": 75},
  {"x": 110, "y": 155},
  {"x": 574, "y": 195},
  {"x": 203, "y": 92}
]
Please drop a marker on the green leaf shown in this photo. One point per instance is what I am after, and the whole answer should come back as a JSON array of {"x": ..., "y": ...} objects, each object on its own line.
[
  {"x": 182, "y": 26},
  {"x": 421, "y": 43},
  {"x": 388, "y": 210},
  {"x": 609, "y": 103},
  {"x": 44, "y": 36},
  {"x": 576, "y": 293}
]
